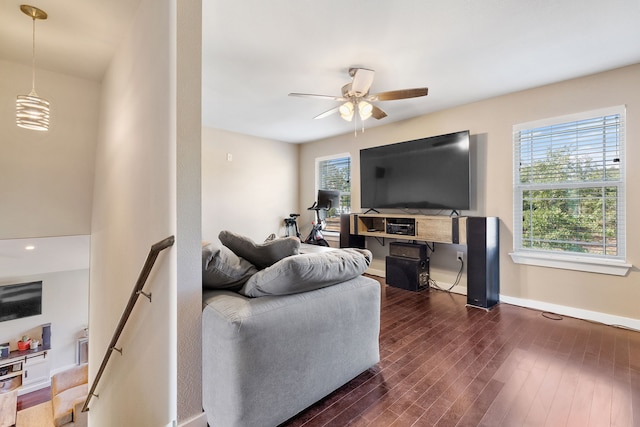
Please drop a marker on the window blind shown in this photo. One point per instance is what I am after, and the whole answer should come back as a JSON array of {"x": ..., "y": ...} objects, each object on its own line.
[
  {"x": 569, "y": 185},
  {"x": 335, "y": 174}
]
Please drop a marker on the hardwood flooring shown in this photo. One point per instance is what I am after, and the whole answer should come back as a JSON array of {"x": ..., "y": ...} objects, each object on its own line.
[
  {"x": 444, "y": 364},
  {"x": 34, "y": 398}
]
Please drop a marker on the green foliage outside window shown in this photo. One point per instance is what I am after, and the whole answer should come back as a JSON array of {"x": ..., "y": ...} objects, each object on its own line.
[
  {"x": 569, "y": 188},
  {"x": 335, "y": 174}
]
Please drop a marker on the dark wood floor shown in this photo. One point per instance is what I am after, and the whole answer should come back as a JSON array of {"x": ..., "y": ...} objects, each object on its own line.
[
  {"x": 34, "y": 398},
  {"x": 443, "y": 364}
]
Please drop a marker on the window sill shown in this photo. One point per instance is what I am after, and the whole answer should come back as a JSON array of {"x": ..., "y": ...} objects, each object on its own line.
[{"x": 568, "y": 262}]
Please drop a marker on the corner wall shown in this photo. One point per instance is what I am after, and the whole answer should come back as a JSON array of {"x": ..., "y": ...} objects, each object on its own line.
[
  {"x": 490, "y": 123},
  {"x": 252, "y": 193},
  {"x": 148, "y": 150}
]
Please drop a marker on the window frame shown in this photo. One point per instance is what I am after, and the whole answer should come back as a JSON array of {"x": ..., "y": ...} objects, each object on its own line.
[
  {"x": 333, "y": 223},
  {"x": 606, "y": 264}
]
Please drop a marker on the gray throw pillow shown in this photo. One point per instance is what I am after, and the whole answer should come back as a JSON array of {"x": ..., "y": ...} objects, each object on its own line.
[
  {"x": 222, "y": 269},
  {"x": 261, "y": 255},
  {"x": 306, "y": 272}
]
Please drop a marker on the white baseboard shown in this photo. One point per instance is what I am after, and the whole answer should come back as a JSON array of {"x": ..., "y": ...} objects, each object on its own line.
[
  {"x": 24, "y": 389},
  {"x": 375, "y": 272},
  {"x": 578, "y": 313},
  {"x": 594, "y": 316},
  {"x": 199, "y": 420}
]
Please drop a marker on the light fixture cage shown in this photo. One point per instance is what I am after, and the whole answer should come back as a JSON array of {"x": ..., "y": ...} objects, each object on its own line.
[{"x": 33, "y": 112}]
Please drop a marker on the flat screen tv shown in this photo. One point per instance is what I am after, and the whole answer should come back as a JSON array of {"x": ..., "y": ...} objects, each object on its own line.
[
  {"x": 20, "y": 300},
  {"x": 426, "y": 173}
]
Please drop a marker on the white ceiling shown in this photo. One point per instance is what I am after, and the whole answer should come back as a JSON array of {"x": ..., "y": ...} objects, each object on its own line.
[
  {"x": 77, "y": 38},
  {"x": 49, "y": 254},
  {"x": 255, "y": 52}
]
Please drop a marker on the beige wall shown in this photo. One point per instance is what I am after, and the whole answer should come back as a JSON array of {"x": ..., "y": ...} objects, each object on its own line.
[
  {"x": 46, "y": 187},
  {"x": 252, "y": 193},
  {"x": 490, "y": 123},
  {"x": 46, "y": 178},
  {"x": 148, "y": 148}
]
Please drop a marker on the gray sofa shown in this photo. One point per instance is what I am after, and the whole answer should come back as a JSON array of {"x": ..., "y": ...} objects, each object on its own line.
[{"x": 265, "y": 359}]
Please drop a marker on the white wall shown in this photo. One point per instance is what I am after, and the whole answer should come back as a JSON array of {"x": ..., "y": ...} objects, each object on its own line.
[
  {"x": 145, "y": 151},
  {"x": 253, "y": 192},
  {"x": 46, "y": 178},
  {"x": 64, "y": 305},
  {"x": 490, "y": 122}
]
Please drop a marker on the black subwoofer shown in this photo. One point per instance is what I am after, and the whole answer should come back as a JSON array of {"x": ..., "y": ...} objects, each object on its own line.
[{"x": 407, "y": 273}]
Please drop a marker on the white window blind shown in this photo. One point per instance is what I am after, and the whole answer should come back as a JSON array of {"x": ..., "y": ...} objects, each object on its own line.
[
  {"x": 569, "y": 185},
  {"x": 335, "y": 174}
]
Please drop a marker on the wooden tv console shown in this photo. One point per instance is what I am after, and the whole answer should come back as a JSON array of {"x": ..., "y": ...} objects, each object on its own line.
[
  {"x": 479, "y": 234},
  {"x": 439, "y": 229}
]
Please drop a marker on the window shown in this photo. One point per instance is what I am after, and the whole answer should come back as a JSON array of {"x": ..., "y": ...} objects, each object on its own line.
[
  {"x": 334, "y": 173},
  {"x": 569, "y": 188}
]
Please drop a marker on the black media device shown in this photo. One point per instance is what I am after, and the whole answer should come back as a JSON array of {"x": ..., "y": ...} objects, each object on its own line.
[
  {"x": 408, "y": 250},
  {"x": 426, "y": 173},
  {"x": 403, "y": 226}
]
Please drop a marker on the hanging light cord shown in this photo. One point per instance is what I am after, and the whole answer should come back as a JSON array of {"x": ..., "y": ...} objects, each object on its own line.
[{"x": 33, "y": 59}]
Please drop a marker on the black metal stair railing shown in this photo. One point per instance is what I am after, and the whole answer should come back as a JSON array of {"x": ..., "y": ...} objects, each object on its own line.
[{"x": 137, "y": 291}]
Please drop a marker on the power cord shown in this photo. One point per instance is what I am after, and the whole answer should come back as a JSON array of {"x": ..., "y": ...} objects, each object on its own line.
[
  {"x": 434, "y": 284},
  {"x": 551, "y": 316}
]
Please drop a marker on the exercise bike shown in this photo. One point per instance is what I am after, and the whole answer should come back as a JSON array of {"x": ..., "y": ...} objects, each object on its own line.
[
  {"x": 315, "y": 236},
  {"x": 291, "y": 226}
]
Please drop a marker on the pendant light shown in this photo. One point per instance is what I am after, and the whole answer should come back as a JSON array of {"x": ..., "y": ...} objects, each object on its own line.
[{"x": 32, "y": 112}]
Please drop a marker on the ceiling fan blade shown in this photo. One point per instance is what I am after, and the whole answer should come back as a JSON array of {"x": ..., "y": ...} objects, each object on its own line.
[
  {"x": 362, "y": 80},
  {"x": 327, "y": 113},
  {"x": 400, "y": 94},
  {"x": 377, "y": 113},
  {"x": 311, "y": 95}
]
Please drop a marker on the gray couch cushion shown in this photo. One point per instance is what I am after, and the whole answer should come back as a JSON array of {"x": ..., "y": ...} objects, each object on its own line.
[
  {"x": 306, "y": 272},
  {"x": 222, "y": 269},
  {"x": 261, "y": 255}
]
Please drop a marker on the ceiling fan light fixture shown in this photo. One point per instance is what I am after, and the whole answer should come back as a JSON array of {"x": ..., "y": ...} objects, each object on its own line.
[
  {"x": 32, "y": 112},
  {"x": 346, "y": 111},
  {"x": 365, "y": 109}
]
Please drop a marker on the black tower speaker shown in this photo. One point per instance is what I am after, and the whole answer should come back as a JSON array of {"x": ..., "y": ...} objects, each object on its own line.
[
  {"x": 46, "y": 336},
  {"x": 483, "y": 267},
  {"x": 348, "y": 240},
  {"x": 407, "y": 273}
]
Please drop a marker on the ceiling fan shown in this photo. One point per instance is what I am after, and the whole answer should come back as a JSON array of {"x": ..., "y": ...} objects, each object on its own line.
[{"x": 356, "y": 97}]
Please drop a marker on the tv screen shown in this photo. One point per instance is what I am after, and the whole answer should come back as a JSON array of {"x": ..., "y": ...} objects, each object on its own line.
[
  {"x": 20, "y": 300},
  {"x": 426, "y": 173}
]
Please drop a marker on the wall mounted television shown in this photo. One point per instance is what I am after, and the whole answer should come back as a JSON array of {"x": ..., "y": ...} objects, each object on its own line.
[
  {"x": 20, "y": 300},
  {"x": 426, "y": 173}
]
